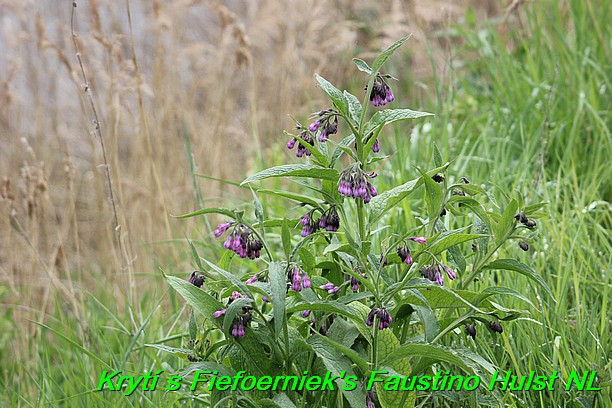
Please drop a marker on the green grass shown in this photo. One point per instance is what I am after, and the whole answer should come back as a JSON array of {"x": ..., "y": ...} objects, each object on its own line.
[{"x": 528, "y": 110}]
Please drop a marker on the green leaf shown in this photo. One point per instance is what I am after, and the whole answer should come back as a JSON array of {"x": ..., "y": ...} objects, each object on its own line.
[
  {"x": 389, "y": 199},
  {"x": 380, "y": 60},
  {"x": 259, "y": 211},
  {"x": 295, "y": 170},
  {"x": 226, "y": 260},
  {"x": 278, "y": 289},
  {"x": 349, "y": 311},
  {"x": 193, "y": 327},
  {"x": 362, "y": 66},
  {"x": 437, "y": 156},
  {"x": 457, "y": 258},
  {"x": 320, "y": 157},
  {"x": 386, "y": 116},
  {"x": 293, "y": 196},
  {"x": 201, "y": 301},
  {"x": 505, "y": 226},
  {"x": 348, "y": 352},
  {"x": 434, "y": 196},
  {"x": 308, "y": 259},
  {"x": 207, "y": 366},
  {"x": 334, "y": 93},
  {"x": 432, "y": 351},
  {"x": 431, "y": 327},
  {"x": 516, "y": 266},
  {"x": 383, "y": 202},
  {"x": 179, "y": 352},
  {"x": 502, "y": 290},
  {"x": 274, "y": 224},
  {"x": 231, "y": 278},
  {"x": 482, "y": 227},
  {"x": 212, "y": 210},
  {"x": 473, "y": 205},
  {"x": 450, "y": 238},
  {"x": 336, "y": 362},
  {"x": 340, "y": 148},
  {"x": 533, "y": 208},
  {"x": 342, "y": 332},
  {"x": 387, "y": 344},
  {"x": 286, "y": 238},
  {"x": 195, "y": 255},
  {"x": 354, "y": 107},
  {"x": 339, "y": 247}
]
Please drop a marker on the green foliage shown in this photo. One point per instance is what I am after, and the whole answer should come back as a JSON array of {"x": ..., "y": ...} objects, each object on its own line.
[{"x": 344, "y": 301}]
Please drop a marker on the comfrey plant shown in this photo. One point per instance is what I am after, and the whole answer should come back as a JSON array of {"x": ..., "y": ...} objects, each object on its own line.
[{"x": 348, "y": 303}]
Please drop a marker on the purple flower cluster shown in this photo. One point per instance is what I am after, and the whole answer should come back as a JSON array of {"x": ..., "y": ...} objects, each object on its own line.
[
  {"x": 329, "y": 287},
  {"x": 324, "y": 327},
  {"x": 329, "y": 221},
  {"x": 434, "y": 274},
  {"x": 470, "y": 330},
  {"x": 354, "y": 284},
  {"x": 301, "y": 150},
  {"x": 309, "y": 223},
  {"x": 370, "y": 398},
  {"x": 376, "y": 146},
  {"x": 241, "y": 240},
  {"x": 241, "y": 320},
  {"x": 326, "y": 124},
  {"x": 253, "y": 279},
  {"x": 298, "y": 279},
  {"x": 496, "y": 327},
  {"x": 404, "y": 252},
  {"x": 384, "y": 318},
  {"x": 381, "y": 92},
  {"x": 354, "y": 183},
  {"x": 354, "y": 281},
  {"x": 196, "y": 279}
]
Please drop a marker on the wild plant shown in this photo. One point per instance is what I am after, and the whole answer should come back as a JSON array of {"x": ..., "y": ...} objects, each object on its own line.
[{"x": 354, "y": 288}]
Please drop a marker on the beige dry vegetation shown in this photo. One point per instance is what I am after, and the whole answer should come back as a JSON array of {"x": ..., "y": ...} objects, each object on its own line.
[{"x": 226, "y": 75}]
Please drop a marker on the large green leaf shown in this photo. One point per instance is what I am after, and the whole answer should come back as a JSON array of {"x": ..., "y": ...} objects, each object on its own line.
[
  {"x": 383, "y": 202},
  {"x": 336, "y": 362},
  {"x": 386, "y": 116},
  {"x": 505, "y": 226},
  {"x": 516, "y": 266},
  {"x": 295, "y": 170},
  {"x": 201, "y": 301},
  {"x": 434, "y": 196},
  {"x": 334, "y": 93},
  {"x": 293, "y": 196},
  {"x": 342, "y": 332},
  {"x": 342, "y": 147},
  {"x": 231, "y": 278},
  {"x": 387, "y": 344},
  {"x": 354, "y": 107},
  {"x": 212, "y": 210},
  {"x": 351, "y": 311},
  {"x": 448, "y": 239},
  {"x": 431, "y": 327},
  {"x": 473, "y": 205},
  {"x": 431, "y": 351},
  {"x": 207, "y": 366},
  {"x": 286, "y": 238},
  {"x": 278, "y": 289},
  {"x": 387, "y": 200},
  {"x": 380, "y": 60},
  {"x": 362, "y": 66}
]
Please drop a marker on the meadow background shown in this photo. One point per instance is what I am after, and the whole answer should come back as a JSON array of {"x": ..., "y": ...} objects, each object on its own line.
[{"x": 188, "y": 92}]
